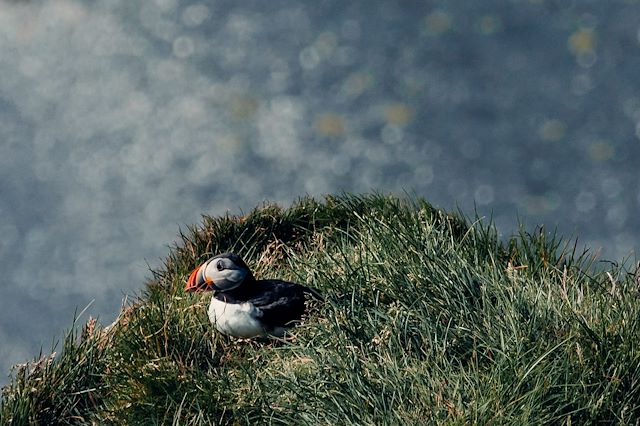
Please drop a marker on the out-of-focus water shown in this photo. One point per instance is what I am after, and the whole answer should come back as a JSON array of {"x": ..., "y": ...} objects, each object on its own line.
[{"x": 121, "y": 121}]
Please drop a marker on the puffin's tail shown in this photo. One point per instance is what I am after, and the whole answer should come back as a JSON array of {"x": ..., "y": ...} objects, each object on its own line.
[{"x": 314, "y": 293}]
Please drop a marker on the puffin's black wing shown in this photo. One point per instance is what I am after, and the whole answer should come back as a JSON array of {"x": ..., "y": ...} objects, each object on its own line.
[{"x": 280, "y": 302}]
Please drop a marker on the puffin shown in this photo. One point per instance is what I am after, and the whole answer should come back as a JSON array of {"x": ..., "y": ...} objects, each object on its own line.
[{"x": 244, "y": 307}]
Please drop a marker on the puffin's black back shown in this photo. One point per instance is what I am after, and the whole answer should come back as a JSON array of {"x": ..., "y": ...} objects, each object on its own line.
[{"x": 280, "y": 302}]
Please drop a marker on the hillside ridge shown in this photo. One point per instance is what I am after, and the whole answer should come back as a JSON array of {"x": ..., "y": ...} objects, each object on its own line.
[{"x": 429, "y": 317}]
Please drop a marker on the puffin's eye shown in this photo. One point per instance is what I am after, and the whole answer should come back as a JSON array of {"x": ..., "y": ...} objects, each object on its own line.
[{"x": 219, "y": 265}]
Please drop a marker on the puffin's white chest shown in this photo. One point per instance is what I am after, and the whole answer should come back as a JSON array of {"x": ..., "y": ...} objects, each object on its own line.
[{"x": 235, "y": 319}]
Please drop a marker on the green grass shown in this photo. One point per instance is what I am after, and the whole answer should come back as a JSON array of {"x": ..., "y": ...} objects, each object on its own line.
[{"x": 428, "y": 319}]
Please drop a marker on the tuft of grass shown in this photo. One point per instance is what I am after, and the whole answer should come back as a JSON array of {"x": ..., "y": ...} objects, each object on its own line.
[
  {"x": 64, "y": 389},
  {"x": 428, "y": 318}
]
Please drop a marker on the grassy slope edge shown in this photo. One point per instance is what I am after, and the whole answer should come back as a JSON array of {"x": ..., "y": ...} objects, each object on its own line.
[{"x": 428, "y": 319}]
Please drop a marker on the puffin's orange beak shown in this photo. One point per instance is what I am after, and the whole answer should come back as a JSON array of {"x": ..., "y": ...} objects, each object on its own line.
[{"x": 197, "y": 281}]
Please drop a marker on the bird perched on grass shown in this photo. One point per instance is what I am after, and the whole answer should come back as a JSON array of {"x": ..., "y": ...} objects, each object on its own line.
[{"x": 242, "y": 306}]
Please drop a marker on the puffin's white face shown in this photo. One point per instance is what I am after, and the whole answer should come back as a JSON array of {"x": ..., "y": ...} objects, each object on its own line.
[
  {"x": 224, "y": 273},
  {"x": 221, "y": 273}
]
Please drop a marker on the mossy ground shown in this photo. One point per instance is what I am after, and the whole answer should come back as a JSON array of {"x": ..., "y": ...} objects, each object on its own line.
[{"x": 428, "y": 319}]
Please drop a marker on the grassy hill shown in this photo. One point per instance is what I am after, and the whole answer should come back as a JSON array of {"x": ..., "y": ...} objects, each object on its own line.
[{"x": 427, "y": 319}]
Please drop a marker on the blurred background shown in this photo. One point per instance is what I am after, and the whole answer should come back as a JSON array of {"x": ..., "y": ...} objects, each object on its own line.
[{"x": 121, "y": 121}]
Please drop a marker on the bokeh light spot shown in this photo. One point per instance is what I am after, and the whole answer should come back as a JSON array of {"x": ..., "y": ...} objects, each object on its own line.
[
  {"x": 601, "y": 151},
  {"x": 330, "y": 124},
  {"x": 537, "y": 204},
  {"x": 489, "y": 24},
  {"x": 581, "y": 84},
  {"x": 398, "y": 114},
  {"x": 616, "y": 216},
  {"x": 611, "y": 187},
  {"x": 356, "y": 84},
  {"x": 582, "y": 41},
  {"x": 438, "y": 22},
  {"x": 195, "y": 15},
  {"x": 244, "y": 108},
  {"x": 552, "y": 130},
  {"x": 424, "y": 174},
  {"x": 183, "y": 47},
  {"x": 166, "y": 5},
  {"x": 326, "y": 44},
  {"x": 309, "y": 58},
  {"x": 587, "y": 60},
  {"x": 585, "y": 201},
  {"x": 484, "y": 194},
  {"x": 391, "y": 134}
]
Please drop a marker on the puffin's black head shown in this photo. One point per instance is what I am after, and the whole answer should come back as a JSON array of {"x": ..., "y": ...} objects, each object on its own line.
[{"x": 223, "y": 272}]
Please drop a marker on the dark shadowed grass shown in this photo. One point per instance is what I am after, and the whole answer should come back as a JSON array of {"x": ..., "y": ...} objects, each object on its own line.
[{"x": 427, "y": 319}]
